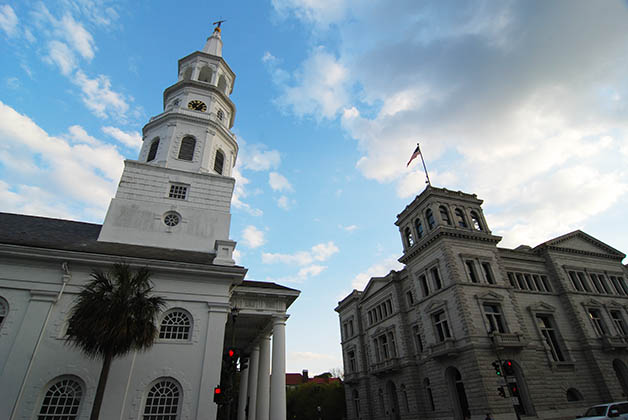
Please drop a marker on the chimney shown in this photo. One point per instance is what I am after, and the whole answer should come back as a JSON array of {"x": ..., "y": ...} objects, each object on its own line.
[{"x": 305, "y": 376}]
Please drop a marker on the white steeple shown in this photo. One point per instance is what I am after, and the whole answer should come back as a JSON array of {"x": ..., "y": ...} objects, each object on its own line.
[
  {"x": 177, "y": 194},
  {"x": 213, "y": 45}
]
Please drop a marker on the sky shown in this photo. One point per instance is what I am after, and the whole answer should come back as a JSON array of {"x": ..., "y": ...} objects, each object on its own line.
[{"x": 523, "y": 103}]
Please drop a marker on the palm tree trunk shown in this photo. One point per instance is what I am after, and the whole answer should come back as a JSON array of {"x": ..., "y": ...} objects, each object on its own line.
[{"x": 100, "y": 390}]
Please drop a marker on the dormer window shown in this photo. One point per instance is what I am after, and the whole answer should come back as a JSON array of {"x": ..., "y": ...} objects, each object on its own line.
[
  {"x": 475, "y": 221},
  {"x": 444, "y": 215},
  {"x": 430, "y": 219},
  {"x": 462, "y": 221},
  {"x": 219, "y": 161},
  {"x": 186, "y": 151},
  {"x": 419, "y": 228},
  {"x": 152, "y": 153},
  {"x": 408, "y": 235}
]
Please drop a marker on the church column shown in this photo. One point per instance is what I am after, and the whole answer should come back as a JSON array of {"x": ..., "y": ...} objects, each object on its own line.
[
  {"x": 212, "y": 361},
  {"x": 243, "y": 395},
  {"x": 253, "y": 375},
  {"x": 263, "y": 380},
  {"x": 278, "y": 378}
]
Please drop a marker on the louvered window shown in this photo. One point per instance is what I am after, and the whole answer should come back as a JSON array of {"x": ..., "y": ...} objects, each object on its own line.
[
  {"x": 186, "y": 152},
  {"x": 219, "y": 162},
  {"x": 152, "y": 153}
]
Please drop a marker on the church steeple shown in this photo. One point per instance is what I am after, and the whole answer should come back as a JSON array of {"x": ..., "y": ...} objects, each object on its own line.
[{"x": 177, "y": 194}]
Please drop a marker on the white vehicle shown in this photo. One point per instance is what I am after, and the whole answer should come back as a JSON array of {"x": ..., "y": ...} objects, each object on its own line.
[{"x": 614, "y": 410}]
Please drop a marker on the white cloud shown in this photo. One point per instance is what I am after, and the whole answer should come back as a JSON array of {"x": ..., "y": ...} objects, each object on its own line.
[
  {"x": 13, "y": 83},
  {"x": 240, "y": 192},
  {"x": 492, "y": 93},
  {"x": 77, "y": 36},
  {"x": 349, "y": 228},
  {"x": 320, "y": 252},
  {"x": 132, "y": 139},
  {"x": 61, "y": 55},
  {"x": 253, "y": 237},
  {"x": 284, "y": 202},
  {"x": 99, "y": 98},
  {"x": 376, "y": 270},
  {"x": 312, "y": 270},
  {"x": 256, "y": 158},
  {"x": 320, "y": 87},
  {"x": 279, "y": 182},
  {"x": 49, "y": 167},
  {"x": 8, "y": 20}
]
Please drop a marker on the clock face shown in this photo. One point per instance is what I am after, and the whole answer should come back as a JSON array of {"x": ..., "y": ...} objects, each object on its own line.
[{"x": 197, "y": 105}]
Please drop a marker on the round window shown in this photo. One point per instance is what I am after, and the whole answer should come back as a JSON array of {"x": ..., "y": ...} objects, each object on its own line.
[{"x": 172, "y": 219}]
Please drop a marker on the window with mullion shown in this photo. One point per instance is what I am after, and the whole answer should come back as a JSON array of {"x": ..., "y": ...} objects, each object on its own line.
[
  {"x": 441, "y": 326},
  {"x": 597, "y": 321},
  {"x": 618, "y": 322},
  {"x": 545, "y": 324},
  {"x": 493, "y": 315}
]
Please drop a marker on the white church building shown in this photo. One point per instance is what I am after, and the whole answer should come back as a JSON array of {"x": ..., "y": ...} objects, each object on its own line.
[{"x": 171, "y": 213}]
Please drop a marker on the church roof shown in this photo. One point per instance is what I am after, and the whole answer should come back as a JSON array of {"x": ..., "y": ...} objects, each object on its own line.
[{"x": 69, "y": 235}]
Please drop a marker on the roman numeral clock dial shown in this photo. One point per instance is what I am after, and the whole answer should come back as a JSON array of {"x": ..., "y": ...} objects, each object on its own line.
[{"x": 197, "y": 105}]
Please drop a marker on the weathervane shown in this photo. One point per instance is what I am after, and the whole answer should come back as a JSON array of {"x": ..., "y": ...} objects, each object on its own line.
[{"x": 218, "y": 23}]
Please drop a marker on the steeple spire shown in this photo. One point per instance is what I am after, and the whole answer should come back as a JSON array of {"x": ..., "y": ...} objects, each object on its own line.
[{"x": 213, "y": 45}]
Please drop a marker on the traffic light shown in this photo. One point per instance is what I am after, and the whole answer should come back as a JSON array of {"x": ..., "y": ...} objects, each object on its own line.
[
  {"x": 218, "y": 395},
  {"x": 501, "y": 392},
  {"x": 232, "y": 355},
  {"x": 507, "y": 368},
  {"x": 498, "y": 370}
]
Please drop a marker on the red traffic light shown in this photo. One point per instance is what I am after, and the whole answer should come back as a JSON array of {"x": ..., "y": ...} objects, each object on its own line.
[
  {"x": 217, "y": 390},
  {"x": 230, "y": 352}
]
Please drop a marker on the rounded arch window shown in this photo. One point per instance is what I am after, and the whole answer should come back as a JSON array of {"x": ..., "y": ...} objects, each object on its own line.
[
  {"x": 187, "y": 73},
  {"x": 186, "y": 151},
  {"x": 444, "y": 215},
  {"x": 222, "y": 83},
  {"x": 163, "y": 401},
  {"x": 574, "y": 395},
  {"x": 172, "y": 219},
  {"x": 462, "y": 221},
  {"x": 219, "y": 162},
  {"x": 152, "y": 153},
  {"x": 175, "y": 325},
  {"x": 408, "y": 235},
  {"x": 205, "y": 74},
  {"x": 475, "y": 221},
  {"x": 4, "y": 310},
  {"x": 429, "y": 216},
  {"x": 419, "y": 228},
  {"x": 62, "y": 400}
]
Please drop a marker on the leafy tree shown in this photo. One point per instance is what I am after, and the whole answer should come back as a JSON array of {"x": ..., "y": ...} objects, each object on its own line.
[
  {"x": 114, "y": 314},
  {"x": 304, "y": 400}
]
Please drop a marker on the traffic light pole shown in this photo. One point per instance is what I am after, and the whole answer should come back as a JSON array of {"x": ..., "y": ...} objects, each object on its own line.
[{"x": 504, "y": 377}]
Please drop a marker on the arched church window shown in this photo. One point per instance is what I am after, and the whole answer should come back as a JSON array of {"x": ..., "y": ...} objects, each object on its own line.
[
  {"x": 205, "y": 75},
  {"x": 444, "y": 215},
  {"x": 186, "y": 151},
  {"x": 4, "y": 310},
  {"x": 475, "y": 220},
  {"x": 219, "y": 161},
  {"x": 187, "y": 73},
  {"x": 163, "y": 401},
  {"x": 419, "y": 228},
  {"x": 222, "y": 84},
  {"x": 462, "y": 221},
  {"x": 430, "y": 218},
  {"x": 62, "y": 400},
  {"x": 408, "y": 235},
  {"x": 152, "y": 153},
  {"x": 175, "y": 325}
]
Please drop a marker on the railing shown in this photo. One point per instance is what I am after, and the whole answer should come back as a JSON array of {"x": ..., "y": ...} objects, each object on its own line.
[
  {"x": 611, "y": 342},
  {"x": 387, "y": 365},
  {"x": 508, "y": 340},
  {"x": 446, "y": 348}
]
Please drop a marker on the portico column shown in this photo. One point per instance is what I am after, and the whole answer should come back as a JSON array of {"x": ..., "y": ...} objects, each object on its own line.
[
  {"x": 253, "y": 375},
  {"x": 212, "y": 361},
  {"x": 263, "y": 380},
  {"x": 278, "y": 378},
  {"x": 242, "y": 395}
]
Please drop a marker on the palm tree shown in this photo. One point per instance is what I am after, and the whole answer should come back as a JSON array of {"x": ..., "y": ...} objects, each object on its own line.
[{"x": 114, "y": 314}]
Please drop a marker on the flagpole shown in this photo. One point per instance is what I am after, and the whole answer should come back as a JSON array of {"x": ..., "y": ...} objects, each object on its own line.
[{"x": 424, "y": 167}]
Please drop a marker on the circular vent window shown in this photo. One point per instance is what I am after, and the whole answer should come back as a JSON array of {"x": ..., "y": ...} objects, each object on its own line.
[{"x": 172, "y": 219}]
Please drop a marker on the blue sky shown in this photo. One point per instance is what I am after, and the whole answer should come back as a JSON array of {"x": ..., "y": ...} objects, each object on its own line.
[{"x": 522, "y": 102}]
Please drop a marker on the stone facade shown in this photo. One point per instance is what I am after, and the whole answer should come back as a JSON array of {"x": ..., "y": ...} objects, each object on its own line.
[{"x": 421, "y": 342}]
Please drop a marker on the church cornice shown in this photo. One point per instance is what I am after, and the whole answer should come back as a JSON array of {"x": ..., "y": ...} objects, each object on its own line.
[{"x": 444, "y": 232}]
